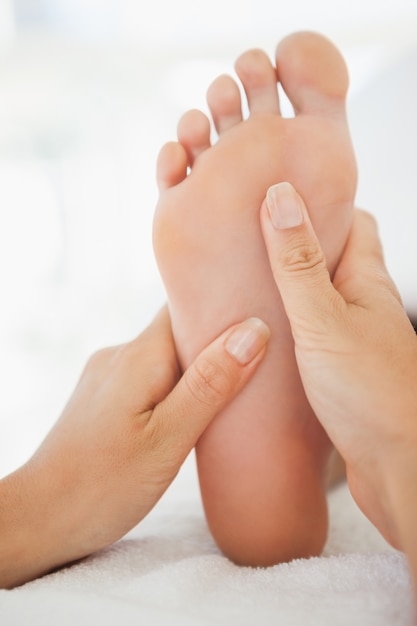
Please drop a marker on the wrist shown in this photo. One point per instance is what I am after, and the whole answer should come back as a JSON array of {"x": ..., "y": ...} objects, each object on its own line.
[
  {"x": 392, "y": 453},
  {"x": 33, "y": 535},
  {"x": 401, "y": 484},
  {"x": 402, "y": 490},
  {"x": 20, "y": 529}
]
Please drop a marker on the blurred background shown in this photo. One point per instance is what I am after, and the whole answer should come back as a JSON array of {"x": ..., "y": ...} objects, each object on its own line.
[{"x": 89, "y": 90}]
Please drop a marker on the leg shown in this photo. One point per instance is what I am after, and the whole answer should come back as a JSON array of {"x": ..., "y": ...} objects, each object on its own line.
[{"x": 262, "y": 462}]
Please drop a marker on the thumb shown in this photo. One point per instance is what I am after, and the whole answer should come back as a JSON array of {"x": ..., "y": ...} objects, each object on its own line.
[
  {"x": 209, "y": 384},
  {"x": 298, "y": 263}
]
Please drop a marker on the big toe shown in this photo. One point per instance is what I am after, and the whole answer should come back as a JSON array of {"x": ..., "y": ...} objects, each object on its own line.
[{"x": 313, "y": 73}]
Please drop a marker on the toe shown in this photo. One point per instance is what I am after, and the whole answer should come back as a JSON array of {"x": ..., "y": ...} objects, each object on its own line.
[
  {"x": 259, "y": 81},
  {"x": 223, "y": 98},
  {"x": 313, "y": 73},
  {"x": 194, "y": 134},
  {"x": 171, "y": 165}
]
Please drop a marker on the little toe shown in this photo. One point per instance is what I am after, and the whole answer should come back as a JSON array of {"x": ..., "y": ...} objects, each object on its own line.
[
  {"x": 313, "y": 73},
  {"x": 193, "y": 133},
  {"x": 171, "y": 165},
  {"x": 223, "y": 98},
  {"x": 259, "y": 80}
]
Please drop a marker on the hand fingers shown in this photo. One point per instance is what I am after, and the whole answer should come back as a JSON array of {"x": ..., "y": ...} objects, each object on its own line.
[
  {"x": 209, "y": 384},
  {"x": 159, "y": 330},
  {"x": 153, "y": 351},
  {"x": 362, "y": 269},
  {"x": 298, "y": 263}
]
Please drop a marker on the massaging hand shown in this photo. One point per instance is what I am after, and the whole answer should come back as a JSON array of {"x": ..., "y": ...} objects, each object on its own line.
[
  {"x": 357, "y": 355},
  {"x": 119, "y": 443}
]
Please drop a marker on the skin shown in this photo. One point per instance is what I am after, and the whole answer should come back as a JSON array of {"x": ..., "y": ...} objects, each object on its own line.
[
  {"x": 119, "y": 443},
  {"x": 357, "y": 355},
  {"x": 269, "y": 474}
]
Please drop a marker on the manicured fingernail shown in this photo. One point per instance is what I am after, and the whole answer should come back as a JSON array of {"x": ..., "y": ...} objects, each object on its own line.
[
  {"x": 284, "y": 206},
  {"x": 247, "y": 340}
]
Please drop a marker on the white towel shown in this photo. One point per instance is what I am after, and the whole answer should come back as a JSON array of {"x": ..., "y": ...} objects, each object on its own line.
[{"x": 169, "y": 571}]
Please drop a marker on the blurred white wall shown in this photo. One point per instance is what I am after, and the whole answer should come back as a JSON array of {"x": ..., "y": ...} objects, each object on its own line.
[
  {"x": 7, "y": 22},
  {"x": 89, "y": 90}
]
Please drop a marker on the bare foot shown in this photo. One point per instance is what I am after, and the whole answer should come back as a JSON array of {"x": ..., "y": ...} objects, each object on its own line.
[{"x": 262, "y": 463}]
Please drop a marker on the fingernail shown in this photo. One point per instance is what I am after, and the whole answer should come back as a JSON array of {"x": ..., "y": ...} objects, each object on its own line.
[
  {"x": 247, "y": 340},
  {"x": 284, "y": 206}
]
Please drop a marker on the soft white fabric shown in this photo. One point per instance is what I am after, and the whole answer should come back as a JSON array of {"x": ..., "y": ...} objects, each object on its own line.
[{"x": 169, "y": 571}]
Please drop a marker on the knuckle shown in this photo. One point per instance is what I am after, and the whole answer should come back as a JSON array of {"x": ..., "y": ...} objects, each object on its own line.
[
  {"x": 128, "y": 351},
  {"x": 207, "y": 381},
  {"x": 99, "y": 358},
  {"x": 302, "y": 257}
]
